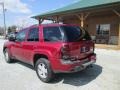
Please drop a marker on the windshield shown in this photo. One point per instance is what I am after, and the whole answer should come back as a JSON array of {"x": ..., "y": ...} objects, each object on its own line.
[{"x": 75, "y": 33}]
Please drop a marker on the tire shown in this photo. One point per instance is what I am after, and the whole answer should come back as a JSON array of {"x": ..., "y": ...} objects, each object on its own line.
[
  {"x": 7, "y": 56},
  {"x": 43, "y": 70}
]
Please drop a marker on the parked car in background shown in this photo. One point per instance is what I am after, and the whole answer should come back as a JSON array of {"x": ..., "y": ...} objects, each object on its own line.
[
  {"x": 12, "y": 34},
  {"x": 52, "y": 48}
]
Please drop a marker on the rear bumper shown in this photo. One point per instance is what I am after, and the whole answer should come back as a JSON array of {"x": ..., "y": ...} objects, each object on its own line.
[{"x": 75, "y": 66}]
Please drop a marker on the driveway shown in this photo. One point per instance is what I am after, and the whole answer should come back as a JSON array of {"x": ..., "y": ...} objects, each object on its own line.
[{"x": 105, "y": 75}]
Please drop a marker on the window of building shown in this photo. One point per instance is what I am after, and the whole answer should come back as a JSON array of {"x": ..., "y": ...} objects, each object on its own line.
[
  {"x": 103, "y": 29},
  {"x": 33, "y": 34}
]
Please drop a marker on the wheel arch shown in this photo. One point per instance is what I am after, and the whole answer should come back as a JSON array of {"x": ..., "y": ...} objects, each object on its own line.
[
  {"x": 4, "y": 48},
  {"x": 37, "y": 56}
]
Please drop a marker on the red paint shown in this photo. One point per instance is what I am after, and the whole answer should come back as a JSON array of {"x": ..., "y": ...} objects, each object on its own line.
[{"x": 25, "y": 51}]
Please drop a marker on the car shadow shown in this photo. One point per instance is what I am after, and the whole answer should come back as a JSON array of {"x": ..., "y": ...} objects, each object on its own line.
[
  {"x": 24, "y": 64},
  {"x": 76, "y": 79},
  {"x": 80, "y": 78}
]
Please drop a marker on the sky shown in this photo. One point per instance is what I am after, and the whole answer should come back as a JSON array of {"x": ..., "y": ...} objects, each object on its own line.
[{"x": 18, "y": 12}]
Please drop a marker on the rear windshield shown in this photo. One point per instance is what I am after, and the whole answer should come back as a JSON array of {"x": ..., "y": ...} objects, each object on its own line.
[
  {"x": 75, "y": 33},
  {"x": 65, "y": 33}
]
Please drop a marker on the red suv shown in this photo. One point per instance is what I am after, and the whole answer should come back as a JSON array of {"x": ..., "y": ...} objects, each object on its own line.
[{"x": 51, "y": 49}]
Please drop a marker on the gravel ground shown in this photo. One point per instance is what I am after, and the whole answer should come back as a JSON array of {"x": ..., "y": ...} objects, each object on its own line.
[{"x": 103, "y": 76}]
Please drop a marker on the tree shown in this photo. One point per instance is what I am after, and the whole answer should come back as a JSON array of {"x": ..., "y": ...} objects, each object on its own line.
[
  {"x": 1, "y": 31},
  {"x": 12, "y": 29},
  {"x": 9, "y": 30}
]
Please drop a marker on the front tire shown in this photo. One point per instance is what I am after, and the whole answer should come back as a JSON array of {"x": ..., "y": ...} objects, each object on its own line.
[
  {"x": 7, "y": 56},
  {"x": 43, "y": 70}
]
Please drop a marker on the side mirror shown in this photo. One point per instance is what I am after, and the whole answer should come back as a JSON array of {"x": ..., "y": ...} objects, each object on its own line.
[{"x": 12, "y": 38}]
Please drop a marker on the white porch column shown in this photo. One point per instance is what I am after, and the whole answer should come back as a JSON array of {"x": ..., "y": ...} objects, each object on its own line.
[
  {"x": 82, "y": 17},
  {"x": 119, "y": 36}
]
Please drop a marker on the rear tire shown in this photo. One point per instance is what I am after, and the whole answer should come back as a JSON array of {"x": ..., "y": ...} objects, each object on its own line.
[
  {"x": 43, "y": 70},
  {"x": 7, "y": 56}
]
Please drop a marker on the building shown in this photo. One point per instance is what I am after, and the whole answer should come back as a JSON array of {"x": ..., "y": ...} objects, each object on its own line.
[{"x": 100, "y": 17}]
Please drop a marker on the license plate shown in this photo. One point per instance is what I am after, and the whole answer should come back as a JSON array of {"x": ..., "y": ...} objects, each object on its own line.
[{"x": 84, "y": 49}]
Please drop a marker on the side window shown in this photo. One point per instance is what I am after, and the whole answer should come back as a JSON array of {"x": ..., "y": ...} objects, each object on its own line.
[
  {"x": 21, "y": 36},
  {"x": 52, "y": 34},
  {"x": 33, "y": 34}
]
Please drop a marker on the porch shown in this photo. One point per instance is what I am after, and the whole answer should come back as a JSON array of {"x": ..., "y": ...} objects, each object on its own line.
[{"x": 100, "y": 18}]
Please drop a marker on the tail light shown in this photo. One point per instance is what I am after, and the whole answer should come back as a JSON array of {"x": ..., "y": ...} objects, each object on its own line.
[
  {"x": 93, "y": 57},
  {"x": 65, "y": 52}
]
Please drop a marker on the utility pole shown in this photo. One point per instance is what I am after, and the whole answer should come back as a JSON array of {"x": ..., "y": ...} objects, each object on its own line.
[{"x": 4, "y": 19}]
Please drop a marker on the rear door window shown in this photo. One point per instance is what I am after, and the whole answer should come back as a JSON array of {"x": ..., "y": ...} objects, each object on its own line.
[{"x": 52, "y": 34}]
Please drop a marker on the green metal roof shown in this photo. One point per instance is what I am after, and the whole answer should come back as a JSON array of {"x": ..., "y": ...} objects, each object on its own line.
[{"x": 80, "y": 5}]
